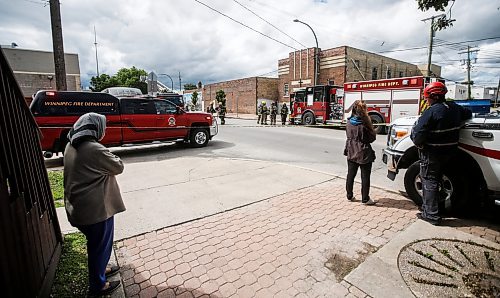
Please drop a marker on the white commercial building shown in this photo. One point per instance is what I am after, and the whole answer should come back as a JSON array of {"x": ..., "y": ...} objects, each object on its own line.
[{"x": 459, "y": 92}]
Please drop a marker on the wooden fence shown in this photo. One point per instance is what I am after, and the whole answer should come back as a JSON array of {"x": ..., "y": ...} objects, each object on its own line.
[{"x": 30, "y": 237}]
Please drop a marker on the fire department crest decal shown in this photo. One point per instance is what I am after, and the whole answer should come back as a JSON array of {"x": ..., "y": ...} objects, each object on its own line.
[{"x": 171, "y": 121}]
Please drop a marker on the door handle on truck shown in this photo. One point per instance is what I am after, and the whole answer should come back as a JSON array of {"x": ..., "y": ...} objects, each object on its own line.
[{"x": 482, "y": 135}]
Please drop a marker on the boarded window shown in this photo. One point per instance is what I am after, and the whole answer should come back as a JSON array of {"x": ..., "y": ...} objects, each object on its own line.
[{"x": 374, "y": 73}]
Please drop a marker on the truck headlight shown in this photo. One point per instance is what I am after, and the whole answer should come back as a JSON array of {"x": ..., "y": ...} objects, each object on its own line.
[{"x": 398, "y": 133}]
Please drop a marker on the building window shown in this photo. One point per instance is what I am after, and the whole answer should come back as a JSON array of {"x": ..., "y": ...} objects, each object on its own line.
[
  {"x": 388, "y": 74},
  {"x": 400, "y": 74},
  {"x": 286, "y": 90},
  {"x": 374, "y": 73},
  {"x": 356, "y": 62}
]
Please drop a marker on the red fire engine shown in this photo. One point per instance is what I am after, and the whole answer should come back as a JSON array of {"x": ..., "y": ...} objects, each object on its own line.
[
  {"x": 387, "y": 100},
  {"x": 316, "y": 104}
]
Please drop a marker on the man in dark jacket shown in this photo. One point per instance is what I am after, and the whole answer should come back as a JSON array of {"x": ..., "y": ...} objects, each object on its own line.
[{"x": 436, "y": 135}]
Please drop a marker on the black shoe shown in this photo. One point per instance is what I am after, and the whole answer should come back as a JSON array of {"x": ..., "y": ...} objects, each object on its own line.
[
  {"x": 113, "y": 285},
  {"x": 351, "y": 199},
  {"x": 431, "y": 221},
  {"x": 114, "y": 270}
]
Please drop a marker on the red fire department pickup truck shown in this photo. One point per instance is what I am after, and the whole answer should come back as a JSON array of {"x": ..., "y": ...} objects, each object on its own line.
[{"x": 129, "y": 119}]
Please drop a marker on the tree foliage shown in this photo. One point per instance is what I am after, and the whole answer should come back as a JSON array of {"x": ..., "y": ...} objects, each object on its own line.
[
  {"x": 441, "y": 22},
  {"x": 220, "y": 96},
  {"x": 125, "y": 77},
  {"x": 102, "y": 82},
  {"x": 194, "y": 99},
  {"x": 438, "y": 5}
]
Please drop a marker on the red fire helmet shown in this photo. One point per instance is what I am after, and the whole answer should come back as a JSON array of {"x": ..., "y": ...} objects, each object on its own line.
[{"x": 435, "y": 88}]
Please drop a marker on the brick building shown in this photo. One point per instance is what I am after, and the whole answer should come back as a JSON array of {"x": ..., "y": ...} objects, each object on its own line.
[
  {"x": 34, "y": 70},
  {"x": 337, "y": 66},
  {"x": 242, "y": 95}
]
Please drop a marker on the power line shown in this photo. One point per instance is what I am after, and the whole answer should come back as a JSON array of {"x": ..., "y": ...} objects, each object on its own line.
[
  {"x": 269, "y": 23},
  {"x": 265, "y": 35},
  {"x": 439, "y": 45}
]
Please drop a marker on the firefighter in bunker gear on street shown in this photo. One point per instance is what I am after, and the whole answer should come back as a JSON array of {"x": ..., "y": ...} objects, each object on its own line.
[
  {"x": 222, "y": 114},
  {"x": 284, "y": 113},
  {"x": 259, "y": 112},
  {"x": 436, "y": 134},
  {"x": 274, "y": 112},
  {"x": 265, "y": 112}
]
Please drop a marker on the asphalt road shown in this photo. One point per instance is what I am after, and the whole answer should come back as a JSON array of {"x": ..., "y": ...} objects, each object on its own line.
[{"x": 314, "y": 148}]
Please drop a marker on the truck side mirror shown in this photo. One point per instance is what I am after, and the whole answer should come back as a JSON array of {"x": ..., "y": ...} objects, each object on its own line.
[{"x": 179, "y": 110}]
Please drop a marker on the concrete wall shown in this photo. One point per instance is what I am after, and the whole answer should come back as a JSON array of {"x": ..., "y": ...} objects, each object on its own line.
[
  {"x": 242, "y": 94},
  {"x": 35, "y": 70}
]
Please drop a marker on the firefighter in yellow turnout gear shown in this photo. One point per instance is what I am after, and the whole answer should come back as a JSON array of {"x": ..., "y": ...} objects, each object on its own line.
[
  {"x": 274, "y": 112},
  {"x": 265, "y": 112}
]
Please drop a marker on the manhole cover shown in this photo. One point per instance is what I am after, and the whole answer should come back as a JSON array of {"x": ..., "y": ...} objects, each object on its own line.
[{"x": 450, "y": 268}]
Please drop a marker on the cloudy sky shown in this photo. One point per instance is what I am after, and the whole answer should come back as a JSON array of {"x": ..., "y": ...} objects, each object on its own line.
[{"x": 191, "y": 37}]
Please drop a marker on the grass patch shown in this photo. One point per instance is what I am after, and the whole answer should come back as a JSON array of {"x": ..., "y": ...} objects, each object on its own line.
[
  {"x": 71, "y": 274},
  {"x": 57, "y": 187}
]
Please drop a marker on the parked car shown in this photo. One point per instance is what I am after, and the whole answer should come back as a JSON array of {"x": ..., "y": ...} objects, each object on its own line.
[
  {"x": 473, "y": 175},
  {"x": 129, "y": 119}
]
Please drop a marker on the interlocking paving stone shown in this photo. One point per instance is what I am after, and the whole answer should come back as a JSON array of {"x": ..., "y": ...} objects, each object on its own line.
[{"x": 277, "y": 247}]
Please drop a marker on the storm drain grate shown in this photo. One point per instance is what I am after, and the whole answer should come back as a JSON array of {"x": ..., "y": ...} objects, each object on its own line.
[{"x": 450, "y": 268}]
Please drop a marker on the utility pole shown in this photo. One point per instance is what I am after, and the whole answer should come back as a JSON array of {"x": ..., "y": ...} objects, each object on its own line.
[
  {"x": 468, "y": 64},
  {"x": 316, "y": 53},
  {"x": 96, "y": 60},
  {"x": 57, "y": 44},
  {"x": 431, "y": 41},
  {"x": 180, "y": 82},
  {"x": 496, "y": 98}
]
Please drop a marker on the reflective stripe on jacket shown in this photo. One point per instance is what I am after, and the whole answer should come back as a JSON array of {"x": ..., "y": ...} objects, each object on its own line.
[{"x": 439, "y": 126}]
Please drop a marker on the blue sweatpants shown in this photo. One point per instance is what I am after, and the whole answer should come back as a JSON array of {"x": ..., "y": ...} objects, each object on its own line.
[{"x": 99, "y": 245}]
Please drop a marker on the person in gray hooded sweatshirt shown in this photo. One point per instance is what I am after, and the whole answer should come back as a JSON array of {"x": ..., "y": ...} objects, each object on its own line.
[
  {"x": 359, "y": 152},
  {"x": 92, "y": 196}
]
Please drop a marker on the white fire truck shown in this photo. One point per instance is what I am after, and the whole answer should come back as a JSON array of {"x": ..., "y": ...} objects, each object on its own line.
[{"x": 386, "y": 100}]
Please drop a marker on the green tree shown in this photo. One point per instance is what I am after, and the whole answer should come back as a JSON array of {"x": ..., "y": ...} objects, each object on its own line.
[
  {"x": 220, "y": 96},
  {"x": 125, "y": 77},
  {"x": 97, "y": 84},
  {"x": 189, "y": 86},
  {"x": 131, "y": 77},
  {"x": 194, "y": 99},
  {"x": 442, "y": 22}
]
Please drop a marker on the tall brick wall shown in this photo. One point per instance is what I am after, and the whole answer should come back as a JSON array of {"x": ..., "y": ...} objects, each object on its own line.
[
  {"x": 367, "y": 61},
  {"x": 242, "y": 94},
  {"x": 267, "y": 88}
]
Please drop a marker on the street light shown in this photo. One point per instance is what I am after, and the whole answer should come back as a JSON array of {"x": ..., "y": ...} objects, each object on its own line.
[
  {"x": 316, "y": 66},
  {"x": 164, "y": 74}
]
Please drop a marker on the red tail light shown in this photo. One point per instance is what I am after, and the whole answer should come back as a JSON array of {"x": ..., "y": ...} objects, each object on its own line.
[{"x": 50, "y": 93}]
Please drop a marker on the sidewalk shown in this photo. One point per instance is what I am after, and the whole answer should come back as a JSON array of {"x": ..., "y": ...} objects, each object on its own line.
[
  {"x": 242, "y": 116},
  {"x": 302, "y": 243}
]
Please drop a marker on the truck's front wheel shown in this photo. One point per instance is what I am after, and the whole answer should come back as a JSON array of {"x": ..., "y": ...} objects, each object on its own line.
[
  {"x": 308, "y": 119},
  {"x": 454, "y": 188},
  {"x": 199, "y": 137},
  {"x": 378, "y": 123}
]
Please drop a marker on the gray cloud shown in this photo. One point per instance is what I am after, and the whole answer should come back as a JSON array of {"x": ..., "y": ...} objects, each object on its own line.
[{"x": 172, "y": 36}]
